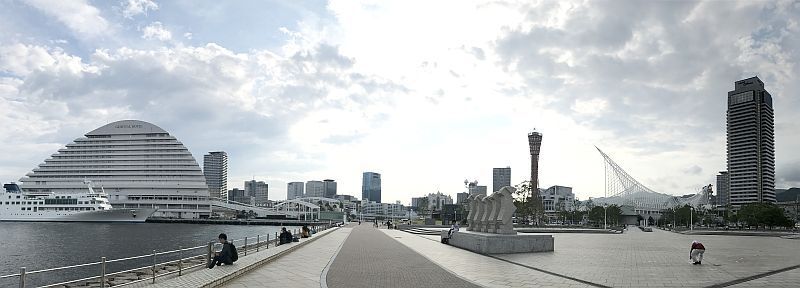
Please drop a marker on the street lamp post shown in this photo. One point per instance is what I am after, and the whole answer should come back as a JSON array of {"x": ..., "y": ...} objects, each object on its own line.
[
  {"x": 691, "y": 218},
  {"x": 605, "y": 216}
]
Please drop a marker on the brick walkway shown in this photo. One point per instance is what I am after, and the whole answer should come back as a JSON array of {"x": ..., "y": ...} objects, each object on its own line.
[
  {"x": 370, "y": 258},
  {"x": 301, "y": 268}
]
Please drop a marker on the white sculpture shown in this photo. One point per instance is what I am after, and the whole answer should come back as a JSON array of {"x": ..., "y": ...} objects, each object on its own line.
[
  {"x": 471, "y": 215},
  {"x": 488, "y": 203},
  {"x": 479, "y": 209},
  {"x": 494, "y": 220},
  {"x": 507, "y": 209}
]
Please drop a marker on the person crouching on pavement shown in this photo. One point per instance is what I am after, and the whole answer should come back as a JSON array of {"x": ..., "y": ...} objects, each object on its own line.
[{"x": 696, "y": 253}]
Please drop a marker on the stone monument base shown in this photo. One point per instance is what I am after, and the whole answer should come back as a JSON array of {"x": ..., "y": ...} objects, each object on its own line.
[{"x": 486, "y": 243}]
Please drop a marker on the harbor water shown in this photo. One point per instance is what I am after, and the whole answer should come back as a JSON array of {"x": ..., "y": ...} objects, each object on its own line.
[{"x": 46, "y": 245}]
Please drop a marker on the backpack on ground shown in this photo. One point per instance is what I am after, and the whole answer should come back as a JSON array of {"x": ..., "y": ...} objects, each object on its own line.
[{"x": 234, "y": 253}]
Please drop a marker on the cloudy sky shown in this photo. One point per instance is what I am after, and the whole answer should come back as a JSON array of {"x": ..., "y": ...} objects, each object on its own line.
[{"x": 428, "y": 93}]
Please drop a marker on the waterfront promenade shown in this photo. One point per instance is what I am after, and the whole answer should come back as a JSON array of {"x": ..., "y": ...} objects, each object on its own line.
[{"x": 363, "y": 256}]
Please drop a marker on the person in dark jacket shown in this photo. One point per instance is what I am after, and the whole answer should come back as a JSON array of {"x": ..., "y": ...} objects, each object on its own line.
[
  {"x": 286, "y": 236},
  {"x": 225, "y": 256},
  {"x": 696, "y": 252}
]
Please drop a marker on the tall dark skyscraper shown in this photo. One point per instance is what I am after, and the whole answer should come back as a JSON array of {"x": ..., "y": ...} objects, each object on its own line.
[
  {"x": 329, "y": 186},
  {"x": 751, "y": 143},
  {"x": 535, "y": 142},
  {"x": 371, "y": 187}
]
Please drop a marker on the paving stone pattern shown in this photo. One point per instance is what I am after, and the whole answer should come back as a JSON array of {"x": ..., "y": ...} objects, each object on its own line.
[
  {"x": 661, "y": 259},
  {"x": 480, "y": 269},
  {"x": 370, "y": 258},
  {"x": 788, "y": 279},
  {"x": 301, "y": 268}
]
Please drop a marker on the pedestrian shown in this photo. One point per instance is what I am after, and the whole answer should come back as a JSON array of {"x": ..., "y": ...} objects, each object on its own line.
[
  {"x": 305, "y": 233},
  {"x": 227, "y": 256},
  {"x": 696, "y": 252}
]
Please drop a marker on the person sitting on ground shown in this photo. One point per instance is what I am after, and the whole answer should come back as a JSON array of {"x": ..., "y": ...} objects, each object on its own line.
[
  {"x": 228, "y": 254},
  {"x": 285, "y": 237},
  {"x": 305, "y": 232},
  {"x": 696, "y": 252}
]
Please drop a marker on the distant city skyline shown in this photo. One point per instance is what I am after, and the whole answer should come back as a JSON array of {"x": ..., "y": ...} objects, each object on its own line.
[{"x": 328, "y": 90}]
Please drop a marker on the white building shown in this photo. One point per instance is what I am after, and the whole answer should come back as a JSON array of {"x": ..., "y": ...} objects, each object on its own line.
[
  {"x": 383, "y": 209},
  {"x": 557, "y": 198},
  {"x": 258, "y": 190},
  {"x": 436, "y": 201},
  {"x": 315, "y": 189},
  {"x": 215, "y": 169},
  {"x": 294, "y": 190},
  {"x": 137, "y": 163}
]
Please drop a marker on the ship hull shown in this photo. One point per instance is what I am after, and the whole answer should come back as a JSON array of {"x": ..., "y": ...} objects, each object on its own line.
[{"x": 121, "y": 215}]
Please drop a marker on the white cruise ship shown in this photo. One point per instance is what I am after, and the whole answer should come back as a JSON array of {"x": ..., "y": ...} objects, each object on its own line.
[{"x": 89, "y": 206}]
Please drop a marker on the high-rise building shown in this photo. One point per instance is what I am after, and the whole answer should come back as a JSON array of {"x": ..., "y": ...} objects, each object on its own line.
[
  {"x": 258, "y": 190},
  {"x": 474, "y": 188},
  {"x": 215, "y": 168},
  {"x": 461, "y": 198},
  {"x": 137, "y": 163},
  {"x": 294, "y": 190},
  {"x": 239, "y": 195},
  {"x": 329, "y": 188},
  {"x": 371, "y": 187},
  {"x": 315, "y": 189},
  {"x": 501, "y": 177},
  {"x": 723, "y": 189},
  {"x": 535, "y": 142},
  {"x": 416, "y": 201},
  {"x": 751, "y": 143}
]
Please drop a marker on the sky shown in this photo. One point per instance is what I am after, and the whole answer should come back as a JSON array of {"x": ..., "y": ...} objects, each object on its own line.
[{"x": 427, "y": 93}]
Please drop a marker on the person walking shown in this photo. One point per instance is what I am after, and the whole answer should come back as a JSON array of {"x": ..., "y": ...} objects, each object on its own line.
[{"x": 696, "y": 252}]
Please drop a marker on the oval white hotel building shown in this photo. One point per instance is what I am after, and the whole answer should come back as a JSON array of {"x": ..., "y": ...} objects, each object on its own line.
[{"x": 138, "y": 164}]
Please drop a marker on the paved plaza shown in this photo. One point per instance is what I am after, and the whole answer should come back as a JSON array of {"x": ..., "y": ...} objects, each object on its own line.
[
  {"x": 370, "y": 257},
  {"x": 661, "y": 259}
]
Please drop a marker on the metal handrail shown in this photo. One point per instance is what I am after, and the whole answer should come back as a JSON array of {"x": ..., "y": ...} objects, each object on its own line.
[
  {"x": 104, "y": 262},
  {"x": 62, "y": 268}
]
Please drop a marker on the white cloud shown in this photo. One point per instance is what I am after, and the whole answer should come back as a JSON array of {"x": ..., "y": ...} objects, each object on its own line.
[
  {"x": 156, "y": 31},
  {"x": 80, "y": 16},
  {"x": 430, "y": 100},
  {"x": 132, "y": 8}
]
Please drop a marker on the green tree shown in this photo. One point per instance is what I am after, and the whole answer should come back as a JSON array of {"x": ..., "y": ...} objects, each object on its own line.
[
  {"x": 422, "y": 209},
  {"x": 596, "y": 215},
  {"x": 529, "y": 205},
  {"x": 614, "y": 212}
]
